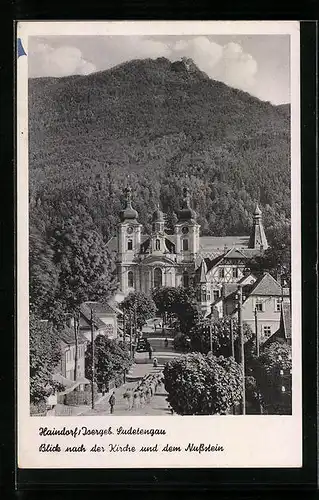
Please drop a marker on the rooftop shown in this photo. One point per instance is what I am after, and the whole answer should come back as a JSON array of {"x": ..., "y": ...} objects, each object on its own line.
[{"x": 267, "y": 285}]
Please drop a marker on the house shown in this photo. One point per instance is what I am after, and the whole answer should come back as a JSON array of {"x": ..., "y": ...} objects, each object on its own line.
[
  {"x": 261, "y": 305},
  {"x": 182, "y": 256},
  {"x": 68, "y": 346},
  {"x": 105, "y": 320},
  {"x": 283, "y": 334},
  {"x": 225, "y": 303}
]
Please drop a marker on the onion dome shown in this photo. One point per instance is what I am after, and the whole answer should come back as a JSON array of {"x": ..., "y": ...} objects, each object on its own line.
[
  {"x": 158, "y": 215},
  {"x": 128, "y": 213},
  {"x": 186, "y": 213}
]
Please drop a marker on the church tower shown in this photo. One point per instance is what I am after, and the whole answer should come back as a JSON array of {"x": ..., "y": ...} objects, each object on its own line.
[
  {"x": 186, "y": 230},
  {"x": 204, "y": 289},
  {"x": 258, "y": 238},
  {"x": 158, "y": 232},
  {"x": 129, "y": 242}
]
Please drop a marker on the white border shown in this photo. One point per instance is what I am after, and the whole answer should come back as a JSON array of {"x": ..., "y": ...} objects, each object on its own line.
[{"x": 249, "y": 441}]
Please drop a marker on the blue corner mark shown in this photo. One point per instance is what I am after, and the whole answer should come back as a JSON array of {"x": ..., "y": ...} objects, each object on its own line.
[{"x": 21, "y": 51}]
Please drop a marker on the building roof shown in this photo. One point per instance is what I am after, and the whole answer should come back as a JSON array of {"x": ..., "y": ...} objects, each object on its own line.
[
  {"x": 266, "y": 285},
  {"x": 223, "y": 243},
  {"x": 286, "y": 319},
  {"x": 67, "y": 336},
  {"x": 97, "y": 308}
]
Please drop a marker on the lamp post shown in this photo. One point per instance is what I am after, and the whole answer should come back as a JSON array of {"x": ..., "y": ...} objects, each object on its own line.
[{"x": 239, "y": 296}]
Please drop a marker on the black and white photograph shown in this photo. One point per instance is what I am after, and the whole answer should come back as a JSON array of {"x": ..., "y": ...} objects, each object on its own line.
[{"x": 160, "y": 223}]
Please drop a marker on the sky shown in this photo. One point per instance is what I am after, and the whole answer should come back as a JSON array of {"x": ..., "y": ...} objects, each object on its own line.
[{"x": 258, "y": 64}]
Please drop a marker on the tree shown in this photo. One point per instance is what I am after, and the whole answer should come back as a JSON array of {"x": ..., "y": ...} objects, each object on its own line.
[
  {"x": 277, "y": 258},
  {"x": 272, "y": 372},
  {"x": 45, "y": 355},
  {"x": 179, "y": 302},
  {"x": 85, "y": 268},
  {"x": 138, "y": 306},
  {"x": 43, "y": 273},
  {"x": 221, "y": 336},
  {"x": 202, "y": 385},
  {"x": 111, "y": 358}
]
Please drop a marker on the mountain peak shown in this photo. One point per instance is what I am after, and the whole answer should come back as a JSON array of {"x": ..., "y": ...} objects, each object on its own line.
[{"x": 186, "y": 64}]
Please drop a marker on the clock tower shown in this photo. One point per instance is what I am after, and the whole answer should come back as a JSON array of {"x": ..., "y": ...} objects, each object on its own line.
[
  {"x": 186, "y": 231},
  {"x": 129, "y": 241}
]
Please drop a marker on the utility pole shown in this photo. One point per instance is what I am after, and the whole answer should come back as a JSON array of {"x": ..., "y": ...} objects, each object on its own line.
[
  {"x": 93, "y": 359},
  {"x": 131, "y": 332},
  {"x": 242, "y": 347},
  {"x": 135, "y": 322},
  {"x": 76, "y": 325},
  {"x": 256, "y": 331},
  {"x": 232, "y": 338},
  {"x": 124, "y": 328},
  {"x": 211, "y": 336}
]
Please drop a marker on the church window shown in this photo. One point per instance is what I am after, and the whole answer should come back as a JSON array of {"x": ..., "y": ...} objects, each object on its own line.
[
  {"x": 221, "y": 272},
  {"x": 130, "y": 244},
  {"x": 157, "y": 277},
  {"x": 185, "y": 245},
  {"x": 235, "y": 272},
  {"x": 185, "y": 279},
  {"x": 157, "y": 245},
  {"x": 130, "y": 279}
]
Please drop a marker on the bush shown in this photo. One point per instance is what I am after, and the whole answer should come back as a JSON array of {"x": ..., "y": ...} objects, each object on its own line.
[{"x": 38, "y": 409}]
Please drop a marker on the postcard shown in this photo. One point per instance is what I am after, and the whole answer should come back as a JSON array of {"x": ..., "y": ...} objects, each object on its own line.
[{"x": 159, "y": 244}]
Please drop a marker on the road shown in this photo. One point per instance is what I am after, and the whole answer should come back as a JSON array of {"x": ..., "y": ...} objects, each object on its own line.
[{"x": 141, "y": 367}]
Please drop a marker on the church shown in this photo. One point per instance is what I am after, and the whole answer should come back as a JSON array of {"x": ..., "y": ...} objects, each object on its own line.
[{"x": 147, "y": 261}]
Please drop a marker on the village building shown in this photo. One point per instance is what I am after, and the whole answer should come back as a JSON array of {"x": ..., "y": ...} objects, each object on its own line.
[{"x": 105, "y": 320}]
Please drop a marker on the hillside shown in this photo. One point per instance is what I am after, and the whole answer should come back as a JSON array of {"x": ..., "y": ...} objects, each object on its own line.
[{"x": 158, "y": 121}]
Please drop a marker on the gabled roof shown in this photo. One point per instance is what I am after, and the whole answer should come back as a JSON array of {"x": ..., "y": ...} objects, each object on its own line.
[
  {"x": 68, "y": 337},
  {"x": 266, "y": 285},
  {"x": 98, "y": 307},
  {"x": 234, "y": 253}
]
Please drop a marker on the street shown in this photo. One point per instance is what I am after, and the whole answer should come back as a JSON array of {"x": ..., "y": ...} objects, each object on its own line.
[{"x": 142, "y": 366}]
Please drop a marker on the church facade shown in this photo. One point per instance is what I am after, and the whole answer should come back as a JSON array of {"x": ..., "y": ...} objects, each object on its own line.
[{"x": 148, "y": 261}]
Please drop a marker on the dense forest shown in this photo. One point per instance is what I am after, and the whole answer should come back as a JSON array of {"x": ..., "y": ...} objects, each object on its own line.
[{"x": 166, "y": 125}]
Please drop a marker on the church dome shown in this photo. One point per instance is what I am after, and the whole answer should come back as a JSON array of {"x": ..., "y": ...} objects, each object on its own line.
[{"x": 129, "y": 213}]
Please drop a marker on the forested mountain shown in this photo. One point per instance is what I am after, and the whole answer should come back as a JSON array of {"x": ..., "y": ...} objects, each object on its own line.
[{"x": 158, "y": 122}]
